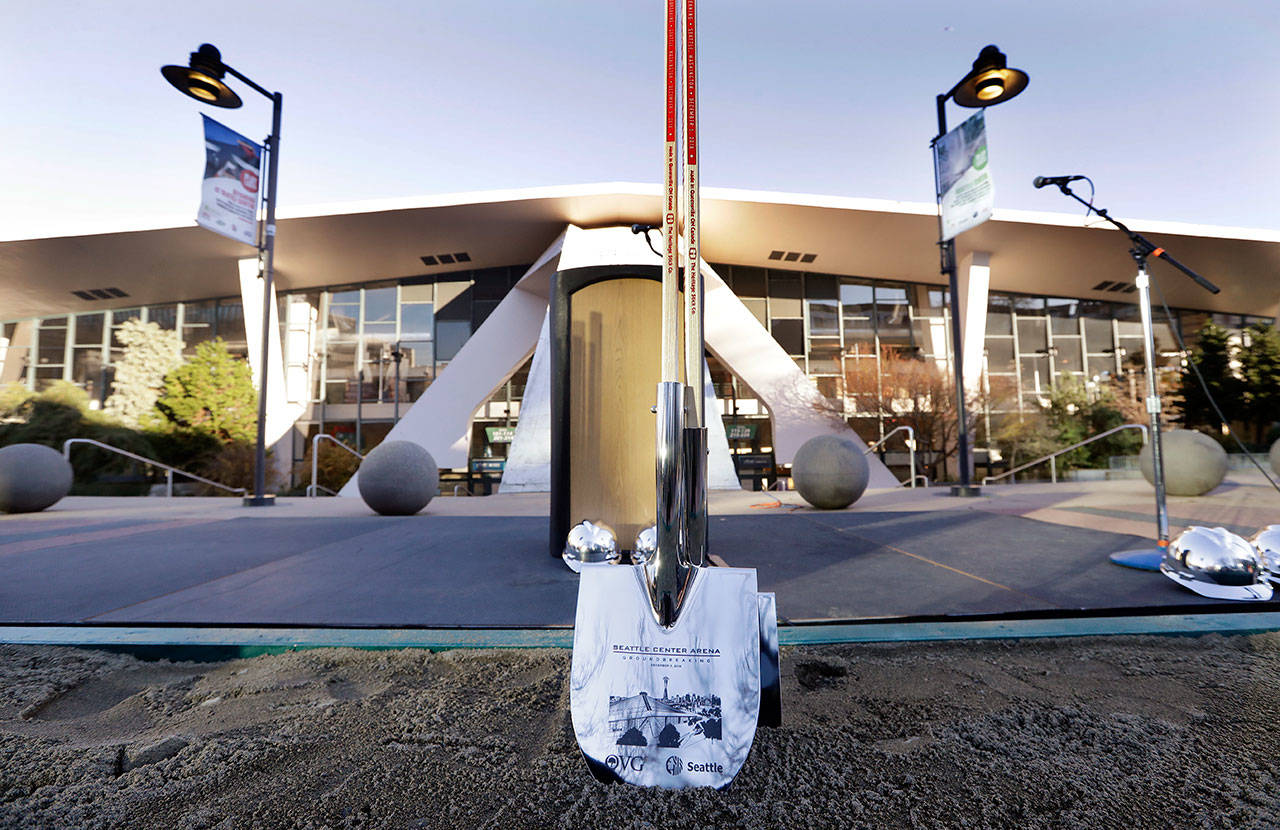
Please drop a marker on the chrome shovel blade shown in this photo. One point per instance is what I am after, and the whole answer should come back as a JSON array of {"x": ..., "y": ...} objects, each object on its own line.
[{"x": 672, "y": 706}]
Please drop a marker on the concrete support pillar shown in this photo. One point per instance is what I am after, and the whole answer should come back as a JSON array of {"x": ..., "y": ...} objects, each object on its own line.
[
  {"x": 279, "y": 416},
  {"x": 974, "y": 280}
]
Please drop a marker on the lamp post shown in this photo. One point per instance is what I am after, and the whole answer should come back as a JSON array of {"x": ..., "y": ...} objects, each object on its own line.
[
  {"x": 202, "y": 80},
  {"x": 990, "y": 82},
  {"x": 397, "y": 356}
]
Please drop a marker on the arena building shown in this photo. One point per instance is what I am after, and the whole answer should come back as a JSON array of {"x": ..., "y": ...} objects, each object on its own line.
[{"x": 811, "y": 301}]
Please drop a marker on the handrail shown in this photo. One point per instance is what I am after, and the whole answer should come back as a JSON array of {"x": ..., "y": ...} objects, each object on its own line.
[
  {"x": 169, "y": 471},
  {"x": 315, "y": 458},
  {"x": 911, "y": 446},
  {"x": 1052, "y": 458}
]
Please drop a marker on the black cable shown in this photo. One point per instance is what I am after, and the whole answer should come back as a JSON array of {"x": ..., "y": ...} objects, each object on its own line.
[
  {"x": 1092, "y": 192},
  {"x": 644, "y": 229},
  {"x": 1173, "y": 327}
]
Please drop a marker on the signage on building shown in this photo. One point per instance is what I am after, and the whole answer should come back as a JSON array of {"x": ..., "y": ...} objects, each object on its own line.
[
  {"x": 232, "y": 170},
  {"x": 741, "y": 432},
  {"x": 754, "y": 461},
  {"x": 488, "y": 465},
  {"x": 964, "y": 178},
  {"x": 500, "y": 435}
]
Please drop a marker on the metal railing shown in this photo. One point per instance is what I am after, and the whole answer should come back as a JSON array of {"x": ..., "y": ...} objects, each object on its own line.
[
  {"x": 1052, "y": 458},
  {"x": 911, "y": 447},
  {"x": 315, "y": 458},
  {"x": 169, "y": 471}
]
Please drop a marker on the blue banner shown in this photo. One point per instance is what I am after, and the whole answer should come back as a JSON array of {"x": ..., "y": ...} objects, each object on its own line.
[{"x": 232, "y": 174}]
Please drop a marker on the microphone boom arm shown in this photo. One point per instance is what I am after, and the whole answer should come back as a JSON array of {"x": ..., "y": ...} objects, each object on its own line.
[{"x": 1142, "y": 247}]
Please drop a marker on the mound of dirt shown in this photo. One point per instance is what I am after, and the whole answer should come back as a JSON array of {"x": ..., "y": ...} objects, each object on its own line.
[{"x": 1096, "y": 732}]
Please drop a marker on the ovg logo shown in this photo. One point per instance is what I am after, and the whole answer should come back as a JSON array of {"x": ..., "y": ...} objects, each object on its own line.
[
  {"x": 622, "y": 763},
  {"x": 674, "y": 765}
]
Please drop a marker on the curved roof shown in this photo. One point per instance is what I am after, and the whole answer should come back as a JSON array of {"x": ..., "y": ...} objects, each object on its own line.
[{"x": 355, "y": 242}]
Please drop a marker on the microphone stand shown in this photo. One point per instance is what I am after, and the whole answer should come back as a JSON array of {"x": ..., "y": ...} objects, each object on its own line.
[{"x": 1147, "y": 559}]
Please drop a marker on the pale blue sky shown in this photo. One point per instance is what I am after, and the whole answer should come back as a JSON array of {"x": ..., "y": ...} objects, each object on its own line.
[{"x": 1172, "y": 107}]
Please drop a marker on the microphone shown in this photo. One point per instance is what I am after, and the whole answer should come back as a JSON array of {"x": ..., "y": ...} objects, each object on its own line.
[{"x": 1041, "y": 181}]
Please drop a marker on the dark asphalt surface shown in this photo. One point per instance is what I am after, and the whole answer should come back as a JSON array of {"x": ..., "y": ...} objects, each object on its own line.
[{"x": 494, "y": 571}]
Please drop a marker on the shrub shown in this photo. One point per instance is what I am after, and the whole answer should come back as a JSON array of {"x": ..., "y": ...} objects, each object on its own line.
[
  {"x": 212, "y": 394},
  {"x": 150, "y": 353},
  {"x": 333, "y": 470}
]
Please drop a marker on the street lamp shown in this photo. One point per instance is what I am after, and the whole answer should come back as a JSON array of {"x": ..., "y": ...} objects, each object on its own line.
[
  {"x": 202, "y": 80},
  {"x": 397, "y": 356},
  {"x": 990, "y": 82}
]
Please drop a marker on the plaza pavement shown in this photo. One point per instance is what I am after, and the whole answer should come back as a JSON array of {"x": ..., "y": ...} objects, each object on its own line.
[{"x": 483, "y": 561}]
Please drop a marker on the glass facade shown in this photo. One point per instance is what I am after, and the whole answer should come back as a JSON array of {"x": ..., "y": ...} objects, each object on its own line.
[
  {"x": 84, "y": 348},
  {"x": 853, "y": 336}
]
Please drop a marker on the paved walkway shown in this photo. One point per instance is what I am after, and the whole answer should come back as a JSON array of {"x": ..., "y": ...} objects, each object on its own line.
[{"x": 484, "y": 562}]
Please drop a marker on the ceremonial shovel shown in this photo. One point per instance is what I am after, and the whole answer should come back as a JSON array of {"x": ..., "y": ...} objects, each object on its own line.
[{"x": 665, "y": 688}]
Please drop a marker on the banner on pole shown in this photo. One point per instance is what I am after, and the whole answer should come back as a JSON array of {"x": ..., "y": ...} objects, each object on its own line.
[
  {"x": 964, "y": 179},
  {"x": 232, "y": 171}
]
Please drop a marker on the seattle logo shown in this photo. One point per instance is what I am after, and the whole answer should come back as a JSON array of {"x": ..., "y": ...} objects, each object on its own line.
[{"x": 674, "y": 765}]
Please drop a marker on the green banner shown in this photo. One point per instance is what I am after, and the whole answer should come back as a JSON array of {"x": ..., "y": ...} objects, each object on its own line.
[{"x": 741, "y": 432}]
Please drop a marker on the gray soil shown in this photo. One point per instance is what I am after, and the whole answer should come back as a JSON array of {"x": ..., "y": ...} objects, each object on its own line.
[{"x": 1105, "y": 732}]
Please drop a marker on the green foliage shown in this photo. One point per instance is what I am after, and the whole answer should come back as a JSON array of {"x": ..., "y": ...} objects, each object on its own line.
[
  {"x": 66, "y": 393},
  {"x": 212, "y": 394},
  {"x": 150, "y": 353},
  {"x": 1074, "y": 413},
  {"x": 1242, "y": 375},
  {"x": 1260, "y": 379},
  {"x": 334, "y": 467},
  {"x": 1023, "y": 437},
  {"x": 1212, "y": 354},
  {"x": 232, "y": 465},
  {"x": 58, "y": 414},
  {"x": 12, "y": 397}
]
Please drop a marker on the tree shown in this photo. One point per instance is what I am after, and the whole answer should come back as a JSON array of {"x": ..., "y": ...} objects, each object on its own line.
[
  {"x": 212, "y": 394},
  {"x": 150, "y": 353},
  {"x": 1074, "y": 415},
  {"x": 1212, "y": 355},
  {"x": 907, "y": 390},
  {"x": 1260, "y": 379}
]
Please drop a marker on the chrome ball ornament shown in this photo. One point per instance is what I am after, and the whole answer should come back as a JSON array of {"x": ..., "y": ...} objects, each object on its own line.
[
  {"x": 646, "y": 545},
  {"x": 1267, "y": 543},
  {"x": 1216, "y": 563},
  {"x": 590, "y": 542}
]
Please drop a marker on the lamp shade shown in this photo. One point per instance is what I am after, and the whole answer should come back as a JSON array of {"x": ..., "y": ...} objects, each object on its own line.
[
  {"x": 990, "y": 81},
  {"x": 202, "y": 78}
]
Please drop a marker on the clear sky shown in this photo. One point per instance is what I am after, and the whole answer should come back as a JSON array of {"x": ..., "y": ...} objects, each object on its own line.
[{"x": 1172, "y": 107}]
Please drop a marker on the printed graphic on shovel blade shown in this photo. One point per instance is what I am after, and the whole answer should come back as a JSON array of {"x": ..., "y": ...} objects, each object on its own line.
[{"x": 666, "y": 722}]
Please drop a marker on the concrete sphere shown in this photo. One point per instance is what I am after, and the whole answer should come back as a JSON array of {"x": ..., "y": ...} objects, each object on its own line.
[
  {"x": 1275, "y": 457},
  {"x": 1194, "y": 463},
  {"x": 830, "y": 472},
  {"x": 398, "y": 478},
  {"x": 32, "y": 477}
]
